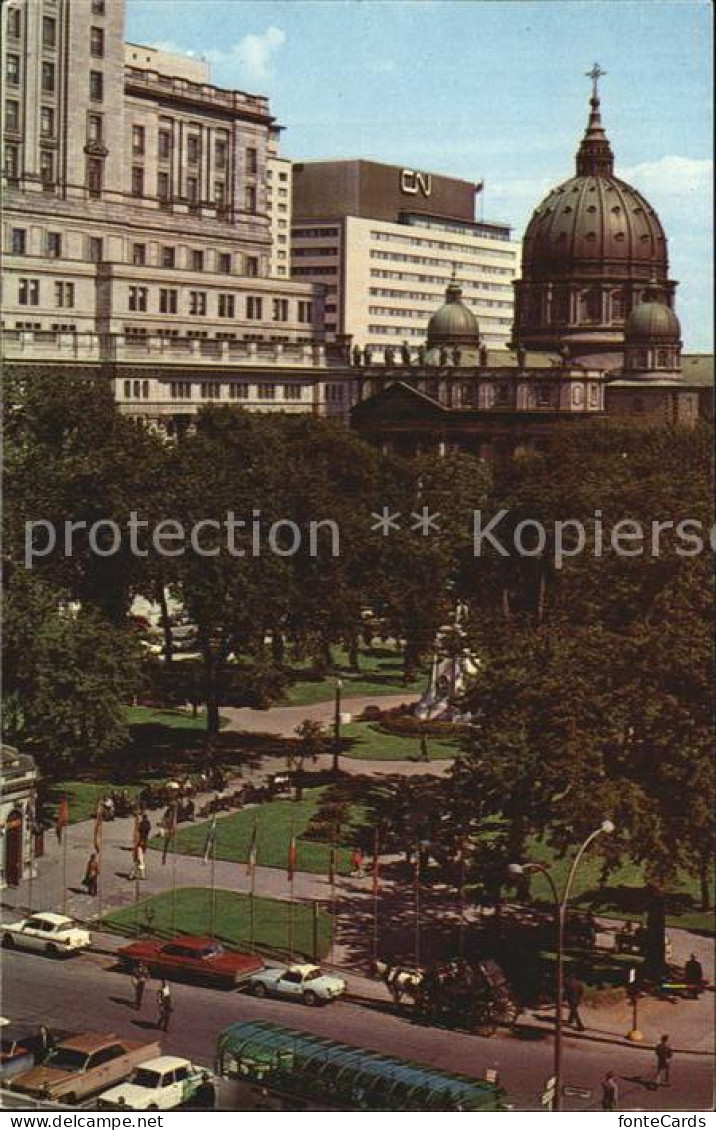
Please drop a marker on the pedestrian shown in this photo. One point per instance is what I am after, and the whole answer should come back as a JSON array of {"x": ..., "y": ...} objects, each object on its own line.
[
  {"x": 91, "y": 878},
  {"x": 164, "y": 1006},
  {"x": 693, "y": 971},
  {"x": 144, "y": 829},
  {"x": 205, "y": 1094},
  {"x": 45, "y": 1044},
  {"x": 610, "y": 1092},
  {"x": 664, "y": 1055},
  {"x": 574, "y": 995},
  {"x": 139, "y": 870},
  {"x": 140, "y": 976},
  {"x": 424, "y": 753},
  {"x": 357, "y": 860}
]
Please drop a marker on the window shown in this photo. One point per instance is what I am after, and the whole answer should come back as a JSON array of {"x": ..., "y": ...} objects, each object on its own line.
[
  {"x": 64, "y": 294},
  {"x": 266, "y": 392},
  {"x": 192, "y": 150},
  {"x": 12, "y": 162},
  {"x": 127, "y": 389},
  {"x": 197, "y": 260},
  {"x": 305, "y": 312},
  {"x": 12, "y": 115},
  {"x": 254, "y": 307},
  {"x": 197, "y": 302},
  {"x": 18, "y": 241},
  {"x": 137, "y": 299},
  {"x": 252, "y": 266},
  {"x": 96, "y": 86},
  {"x": 138, "y": 141},
  {"x": 48, "y": 78},
  {"x": 219, "y": 193},
  {"x": 224, "y": 263},
  {"x": 53, "y": 245},
  {"x": 238, "y": 391},
  {"x": 98, "y": 7},
  {"x": 167, "y": 300},
  {"x": 292, "y": 392},
  {"x": 164, "y": 145},
  {"x": 96, "y": 249},
  {"x": 168, "y": 258},
  {"x": 617, "y": 305},
  {"x": 139, "y": 254},
  {"x": 95, "y": 175},
  {"x": 47, "y": 121},
  {"x": 252, "y": 162},
  {"x": 227, "y": 306},
  {"x": 94, "y": 127},
  {"x": 49, "y": 31},
  {"x": 13, "y": 23},
  {"x": 28, "y": 292},
  {"x": 163, "y": 186},
  {"x": 250, "y": 198},
  {"x": 280, "y": 309},
  {"x": 210, "y": 391},
  {"x": 137, "y": 180},
  {"x": 96, "y": 42},
  {"x": 12, "y": 69},
  {"x": 192, "y": 190},
  {"x": 220, "y": 152}
]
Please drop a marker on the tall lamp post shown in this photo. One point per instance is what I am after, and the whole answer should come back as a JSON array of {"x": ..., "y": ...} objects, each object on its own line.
[
  {"x": 337, "y": 727},
  {"x": 560, "y": 905}
]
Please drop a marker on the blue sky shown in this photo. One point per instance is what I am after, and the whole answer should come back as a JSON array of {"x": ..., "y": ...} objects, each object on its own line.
[{"x": 481, "y": 89}]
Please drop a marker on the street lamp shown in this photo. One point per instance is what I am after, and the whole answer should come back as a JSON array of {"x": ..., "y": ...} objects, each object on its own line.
[
  {"x": 337, "y": 727},
  {"x": 560, "y": 904}
]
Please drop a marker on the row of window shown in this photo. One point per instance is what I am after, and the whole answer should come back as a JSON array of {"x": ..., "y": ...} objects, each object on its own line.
[
  {"x": 479, "y": 231},
  {"x": 314, "y": 233},
  {"x": 49, "y": 27},
  {"x": 429, "y": 296},
  {"x": 300, "y": 252},
  {"x": 437, "y": 245},
  {"x": 428, "y": 261},
  {"x": 414, "y": 276},
  {"x": 212, "y": 390},
  {"x": 419, "y": 331},
  {"x": 227, "y": 304}
]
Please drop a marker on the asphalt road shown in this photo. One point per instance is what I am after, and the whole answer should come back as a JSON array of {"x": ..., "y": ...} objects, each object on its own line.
[{"x": 88, "y": 992}]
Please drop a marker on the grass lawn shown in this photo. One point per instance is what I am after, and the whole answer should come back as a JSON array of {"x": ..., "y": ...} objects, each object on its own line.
[
  {"x": 82, "y": 797},
  {"x": 366, "y": 739},
  {"x": 189, "y": 911},
  {"x": 274, "y": 824},
  {"x": 381, "y": 673},
  {"x": 175, "y": 719}
]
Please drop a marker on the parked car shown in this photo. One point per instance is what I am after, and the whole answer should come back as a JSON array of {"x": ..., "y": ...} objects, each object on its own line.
[
  {"x": 190, "y": 957},
  {"x": 306, "y": 983},
  {"x": 54, "y": 934},
  {"x": 159, "y": 1084},
  {"x": 18, "y": 1053},
  {"x": 82, "y": 1066}
]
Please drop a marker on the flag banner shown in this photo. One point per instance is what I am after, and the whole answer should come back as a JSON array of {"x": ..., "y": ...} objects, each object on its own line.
[
  {"x": 376, "y": 864},
  {"x": 332, "y": 863},
  {"x": 251, "y": 857},
  {"x": 357, "y": 860},
  {"x": 97, "y": 836},
  {"x": 63, "y": 817},
  {"x": 210, "y": 841},
  {"x": 292, "y": 858},
  {"x": 170, "y": 827}
]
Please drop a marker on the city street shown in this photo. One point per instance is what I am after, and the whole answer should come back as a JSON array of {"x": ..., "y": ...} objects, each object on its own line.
[{"x": 88, "y": 992}]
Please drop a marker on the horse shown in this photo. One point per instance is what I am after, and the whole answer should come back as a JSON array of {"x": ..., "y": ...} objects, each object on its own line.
[{"x": 400, "y": 982}]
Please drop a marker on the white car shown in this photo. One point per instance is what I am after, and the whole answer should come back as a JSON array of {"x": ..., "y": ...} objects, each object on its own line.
[
  {"x": 54, "y": 934},
  {"x": 306, "y": 983},
  {"x": 163, "y": 1083}
]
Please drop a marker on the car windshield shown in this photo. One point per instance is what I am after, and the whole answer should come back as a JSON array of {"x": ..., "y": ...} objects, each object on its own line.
[
  {"x": 68, "y": 1059},
  {"x": 312, "y": 975},
  {"x": 37, "y": 924},
  {"x": 211, "y": 951},
  {"x": 145, "y": 1078}
]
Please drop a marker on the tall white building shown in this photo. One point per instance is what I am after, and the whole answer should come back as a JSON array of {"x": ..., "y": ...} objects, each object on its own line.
[{"x": 385, "y": 241}]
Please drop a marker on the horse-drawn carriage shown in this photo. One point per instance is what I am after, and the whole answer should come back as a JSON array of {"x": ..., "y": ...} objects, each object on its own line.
[{"x": 473, "y": 995}]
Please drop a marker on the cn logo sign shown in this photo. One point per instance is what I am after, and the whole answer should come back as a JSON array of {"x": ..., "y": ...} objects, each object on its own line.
[{"x": 413, "y": 182}]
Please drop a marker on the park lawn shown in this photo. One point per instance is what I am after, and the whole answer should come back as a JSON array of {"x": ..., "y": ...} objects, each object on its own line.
[
  {"x": 189, "y": 911},
  {"x": 82, "y": 797},
  {"x": 275, "y": 823},
  {"x": 366, "y": 739},
  {"x": 175, "y": 719},
  {"x": 381, "y": 673}
]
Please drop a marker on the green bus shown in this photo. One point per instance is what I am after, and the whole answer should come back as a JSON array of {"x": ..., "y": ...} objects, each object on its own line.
[{"x": 326, "y": 1075}]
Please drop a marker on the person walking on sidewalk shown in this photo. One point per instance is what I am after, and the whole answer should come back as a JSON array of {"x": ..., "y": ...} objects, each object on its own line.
[
  {"x": 91, "y": 878},
  {"x": 610, "y": 1092},
  {"x": 140, "y": 976},
  {"x": 664, "y": 1056},
  {"x": 164, "y": 1005},
  {"x": 574, "y": 995},
  {"x": 144, "y": 829},
  {"x": 139, "y": 870}
]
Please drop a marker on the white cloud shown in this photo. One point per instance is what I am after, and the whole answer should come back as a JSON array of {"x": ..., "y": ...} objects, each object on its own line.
[
  {"x": 251, "y": 57},
  {"x": 671, "y": 176},
  {"x": 173, "y": 48}
]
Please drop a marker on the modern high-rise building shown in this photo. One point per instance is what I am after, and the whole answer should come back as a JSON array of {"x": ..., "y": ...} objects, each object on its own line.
[
  {"x": 139, "y": 199},
  {"x": 385, "y": 241}
]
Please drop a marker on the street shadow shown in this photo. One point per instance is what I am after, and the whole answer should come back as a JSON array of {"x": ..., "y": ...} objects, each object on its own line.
[
  {"x": 641, "y": 1081},
  {"x": 123, "y": 1001},
  {"x": 147, "y": 1025}
]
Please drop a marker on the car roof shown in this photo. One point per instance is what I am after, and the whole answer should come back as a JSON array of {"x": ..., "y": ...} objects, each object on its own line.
[
  {"x": 191, "y": 941},
  {"x": 306, "y": 968},
  {"x": 49, "y": 916},
  {"x": 90, "y": 1041},
  {"x": 165, "y": 1063}
]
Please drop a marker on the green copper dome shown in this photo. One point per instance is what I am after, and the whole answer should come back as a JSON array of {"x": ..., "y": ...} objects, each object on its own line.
[
  {"x": 453, "y": 324},
  {"x": 650, "y": 321}
]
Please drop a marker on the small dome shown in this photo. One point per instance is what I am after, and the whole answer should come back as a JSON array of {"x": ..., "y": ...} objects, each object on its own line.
[
  {"x": 453, "y": 323},
  {"x": 651, "y": 320}
]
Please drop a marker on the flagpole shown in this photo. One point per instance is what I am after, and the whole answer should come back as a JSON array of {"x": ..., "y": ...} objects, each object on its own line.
[
  {"x": 375, "y": 894},
  {"x": 32, "y": 825},
  {"x": 173, "y": 833},
  {"x": 252, "y": 888},
  {"x": 212, "y": 909},
  {"x": 65, "y": 835},
  {"x": 461, "y": 901},
  {"x": 332, "y": 895},
  {"x": 136, "y": 905},
  {"x": 417, "y": 906},
  {"x": 291, "y": 923}
]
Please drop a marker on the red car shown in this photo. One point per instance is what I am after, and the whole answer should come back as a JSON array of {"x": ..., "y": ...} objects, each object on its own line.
[{"x": 188, "y": 957}]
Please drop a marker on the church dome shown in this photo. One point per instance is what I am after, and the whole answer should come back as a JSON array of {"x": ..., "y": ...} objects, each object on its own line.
[
  {"x": 651, "y": 321},
  {"x": 453, "y": 324}
]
